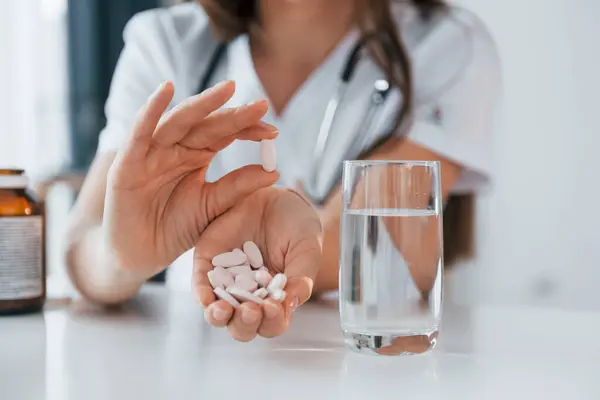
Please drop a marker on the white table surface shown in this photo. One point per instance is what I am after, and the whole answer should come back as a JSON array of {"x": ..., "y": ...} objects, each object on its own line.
[{"x": 158, "y": 347}]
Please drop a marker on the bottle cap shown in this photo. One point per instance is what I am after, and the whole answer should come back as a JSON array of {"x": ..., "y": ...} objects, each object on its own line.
[{"x": 13, "y": 179}]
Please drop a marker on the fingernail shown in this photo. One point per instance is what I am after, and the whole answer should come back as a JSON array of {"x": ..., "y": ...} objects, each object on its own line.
[
  {"x": 207, "y": 314},
  {"x": 293, "y": 304},
  {"x": 272, "y": 129},
  {"x": 222, "y": 84},
  {"x": 159, "y": 89},
  {"x": 249, "y": 316},
  {"x": 271, "y": 311},
  {"x": 219, "y": 314},
  {"x": 255, "y": 103}
]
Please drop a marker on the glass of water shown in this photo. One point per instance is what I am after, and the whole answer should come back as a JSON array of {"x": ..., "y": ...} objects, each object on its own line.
[{"x": 391, "y": 256}]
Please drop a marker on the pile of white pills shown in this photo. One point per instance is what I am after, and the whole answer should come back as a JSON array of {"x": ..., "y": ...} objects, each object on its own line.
[{"x": 240, "y": 275}]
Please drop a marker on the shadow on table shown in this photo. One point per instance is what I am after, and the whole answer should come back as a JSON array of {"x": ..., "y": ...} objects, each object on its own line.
[{"x": 144, "y": 307}]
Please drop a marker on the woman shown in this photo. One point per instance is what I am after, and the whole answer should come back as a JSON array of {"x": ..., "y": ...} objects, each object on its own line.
[{"x": 154, "y": 190}]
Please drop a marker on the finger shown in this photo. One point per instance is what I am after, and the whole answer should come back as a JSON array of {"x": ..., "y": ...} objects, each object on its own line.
[
  {"x": 178, "y": 122},
  {"x": 146, "y": 121},
  {"x": 274, "y": 322},
  {"x": 255, "y": 133},
  {"x": 301, "y": 273},
  {"x": 298, "y": 290},
  {"x": 223, "y": 123},
  {"x": 234, "y": 187},
  {"x": 246, "y": 320},
  {"x": 201, "y": 287},
  {"x": 301, "y": 266},
  {"x": 303, "y": 257},
  {"x": 277, "y": 316},
  {"x": 218, "y": 314}
]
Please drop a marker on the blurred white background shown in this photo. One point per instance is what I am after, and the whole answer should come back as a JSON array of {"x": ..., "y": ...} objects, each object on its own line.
[
  {"x": 539, "y": 242},
  {"x": 33, "y": 67}
]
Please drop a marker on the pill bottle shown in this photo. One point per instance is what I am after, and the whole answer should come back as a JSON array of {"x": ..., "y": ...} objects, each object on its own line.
[{"x": 22, "y": 246}]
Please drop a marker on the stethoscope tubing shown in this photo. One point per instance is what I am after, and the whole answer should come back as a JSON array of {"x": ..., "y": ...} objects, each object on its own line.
[{"x": 331, "y": 112}]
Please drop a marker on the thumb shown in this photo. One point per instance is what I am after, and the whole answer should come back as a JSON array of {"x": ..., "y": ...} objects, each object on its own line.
[
  {"x": 301, "y": 268},
  {"x": 298, "y": 290},
  {"x": 234, "y": 187}
]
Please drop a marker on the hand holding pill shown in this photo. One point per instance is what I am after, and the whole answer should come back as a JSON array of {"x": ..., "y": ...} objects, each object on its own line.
[
  {"x": 157, "y": 198},
  {"x": 280, "y": 234}
]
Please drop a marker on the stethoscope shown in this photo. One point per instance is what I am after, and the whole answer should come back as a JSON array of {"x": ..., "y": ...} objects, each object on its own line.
[{"x": 362, "y": 136}]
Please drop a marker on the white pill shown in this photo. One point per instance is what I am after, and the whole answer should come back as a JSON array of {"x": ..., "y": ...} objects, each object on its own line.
[
  {"x": 277, "y": 283},
  {"x": 230, "y": 259},
  {"x": 245, "y": 277},
  {"x": 263, "y": 268},
  {"x": 268, "y": 155},
  {"x": 262, "y": 293},
  {"x": 223, "y": 295},
  {"x": 239, "y": 270},
  {"x": 278, "y": 295},
  {"x": 215, "y": 280},
  {"x": 243, "y": 295},
  {"x": 224, "y": 276},
  {"x": 238, "y": 251},
  {"x": 263, "y": 278},
  {"x": 222, "y": 271},
  {"x": 254, "y": 256},
  {"x": 248, "y": 286}
]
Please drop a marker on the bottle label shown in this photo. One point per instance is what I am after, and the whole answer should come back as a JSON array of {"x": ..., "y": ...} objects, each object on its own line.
[{"x": 21, "y": 270}]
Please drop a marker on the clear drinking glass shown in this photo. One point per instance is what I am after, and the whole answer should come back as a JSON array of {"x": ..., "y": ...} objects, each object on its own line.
[{"x": 391, "y": 256}]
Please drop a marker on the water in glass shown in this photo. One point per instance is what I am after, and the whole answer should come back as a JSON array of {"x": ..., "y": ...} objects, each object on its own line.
[{"x": 390, "y": 287}]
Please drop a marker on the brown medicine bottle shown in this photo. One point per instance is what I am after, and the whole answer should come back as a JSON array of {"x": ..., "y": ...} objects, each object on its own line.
[{"x": 22, "y": 246}]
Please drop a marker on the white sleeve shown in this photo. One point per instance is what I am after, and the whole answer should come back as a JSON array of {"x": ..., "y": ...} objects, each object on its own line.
[
  {"x": 457, "y": 88},
  {"x": 143, "y": 65}
]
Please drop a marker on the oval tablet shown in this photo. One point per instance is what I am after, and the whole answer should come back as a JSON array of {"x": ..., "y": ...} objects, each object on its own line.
[
  {"x": 215, "y": 280},
  {"x": 222, "y": 271},
  {"x": 243, "y": 295},
  {"x": 245, "y": 277},
  {"x": 254, "y": 255},
  {"x": 230, "y": 259},
  {"x": 278, "y": 295},
  {"x": 224, "y": 276},
  {"x": 239, "y": 270},
  {"x": 263, "y": 278},
  {"x": 262, "y": 293},
  {"x": 248, "y": 286},
  {"x": 223, "y": 295},
  {"x": 277, "y": 283},
  {"x": 268, "y": 155},
  {"x": 238, "y": 251}
]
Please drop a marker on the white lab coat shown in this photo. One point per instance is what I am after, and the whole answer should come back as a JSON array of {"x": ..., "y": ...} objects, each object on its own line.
[{"x": 456, "y": 78}]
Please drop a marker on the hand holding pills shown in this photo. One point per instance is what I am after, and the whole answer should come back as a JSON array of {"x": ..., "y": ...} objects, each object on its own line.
[
  {"x": 257, "y": 262},
  {"x": 157, "y": 199}
]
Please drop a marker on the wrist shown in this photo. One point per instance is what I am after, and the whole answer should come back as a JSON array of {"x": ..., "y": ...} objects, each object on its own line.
[
  {"x": 119, "y": 260},
  {"x": 96, "y": 273}
]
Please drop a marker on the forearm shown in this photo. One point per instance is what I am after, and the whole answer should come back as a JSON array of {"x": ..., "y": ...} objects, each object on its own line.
[
  {"x": 93, "y": 272},
  {"x": 328, "y": 278}
]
